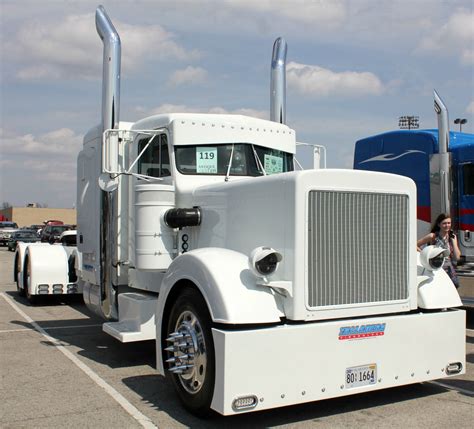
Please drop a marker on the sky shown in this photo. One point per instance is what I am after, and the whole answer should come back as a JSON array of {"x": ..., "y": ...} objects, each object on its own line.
[{"x": 353, "y": 68}]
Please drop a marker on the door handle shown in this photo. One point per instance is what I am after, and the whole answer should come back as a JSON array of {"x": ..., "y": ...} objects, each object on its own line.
[{"x": 467, "y": 235}]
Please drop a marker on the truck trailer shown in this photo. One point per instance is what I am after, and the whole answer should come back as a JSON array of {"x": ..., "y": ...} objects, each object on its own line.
[
  {"x": 442, "y": 165},
  {"x": 262, "y": 286}
]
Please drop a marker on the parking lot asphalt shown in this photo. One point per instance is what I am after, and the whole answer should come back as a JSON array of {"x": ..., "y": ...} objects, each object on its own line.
[{"x": 59, "y": 369}]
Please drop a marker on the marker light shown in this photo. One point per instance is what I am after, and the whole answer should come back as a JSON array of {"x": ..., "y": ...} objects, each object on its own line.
[
  {"x": 244, "y": 403},
  {"x": 454, "y": 368}
]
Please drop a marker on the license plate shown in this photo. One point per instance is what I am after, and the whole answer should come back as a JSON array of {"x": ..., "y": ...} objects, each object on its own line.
[{"x": 364, "y": 375}]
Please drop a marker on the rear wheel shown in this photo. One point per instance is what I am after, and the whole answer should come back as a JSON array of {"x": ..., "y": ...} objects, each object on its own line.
[
  {"x": 21, "y": 291},
  {"x": 190, "y": 352},
  {"x": 72, "y": 269},
  {"x": 27, "y": 282}
]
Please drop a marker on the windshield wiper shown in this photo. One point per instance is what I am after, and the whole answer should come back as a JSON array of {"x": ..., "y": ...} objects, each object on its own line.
[
  {"x": 230, "y": 164},
  {"x": 257, "y": 160}
]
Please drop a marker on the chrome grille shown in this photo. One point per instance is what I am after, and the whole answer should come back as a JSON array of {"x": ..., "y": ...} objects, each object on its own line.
[{"x": 357, "y": 248}]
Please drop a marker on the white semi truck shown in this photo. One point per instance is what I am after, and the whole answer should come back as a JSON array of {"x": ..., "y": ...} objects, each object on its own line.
[{"x": 262, "y": 286}]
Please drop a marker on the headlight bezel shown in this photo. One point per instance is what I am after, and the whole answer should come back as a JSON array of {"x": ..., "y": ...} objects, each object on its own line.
[
  {"x": 264, "y": 261},
  {"x": 432, "y": 257}
]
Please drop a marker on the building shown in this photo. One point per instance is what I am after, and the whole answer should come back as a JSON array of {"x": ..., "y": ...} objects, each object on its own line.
[{"x": 26, "y": 216}]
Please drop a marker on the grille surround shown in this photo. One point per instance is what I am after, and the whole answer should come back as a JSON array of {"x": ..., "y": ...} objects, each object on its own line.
[{"x": 357, "y": 247}]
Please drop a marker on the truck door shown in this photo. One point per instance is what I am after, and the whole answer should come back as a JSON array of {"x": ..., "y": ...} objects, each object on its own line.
[{"x": 466, "y": 209}]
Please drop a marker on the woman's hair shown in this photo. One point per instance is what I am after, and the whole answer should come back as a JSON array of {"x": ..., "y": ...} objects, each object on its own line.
[{"x": 435, "y": 228}]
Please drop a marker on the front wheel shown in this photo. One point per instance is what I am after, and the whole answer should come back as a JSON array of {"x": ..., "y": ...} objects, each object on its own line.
[{"x": 190, "y": 352}]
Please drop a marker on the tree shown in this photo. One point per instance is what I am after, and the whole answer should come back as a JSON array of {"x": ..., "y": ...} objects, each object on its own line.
[{"x": 6, "y": 205}]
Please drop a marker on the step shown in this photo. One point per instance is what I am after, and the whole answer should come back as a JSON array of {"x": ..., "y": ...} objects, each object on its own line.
[{"x": 136, "y": 318}]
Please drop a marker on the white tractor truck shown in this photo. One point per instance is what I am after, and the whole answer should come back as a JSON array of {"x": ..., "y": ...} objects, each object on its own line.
[{"x": 262, "y": 286}]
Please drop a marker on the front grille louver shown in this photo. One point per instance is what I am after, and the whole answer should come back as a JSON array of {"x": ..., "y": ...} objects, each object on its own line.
[{"x": 357, "y": 248}]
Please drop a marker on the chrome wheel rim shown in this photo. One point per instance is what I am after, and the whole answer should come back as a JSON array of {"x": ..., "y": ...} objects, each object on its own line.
[{"x": 187, "y": 352}]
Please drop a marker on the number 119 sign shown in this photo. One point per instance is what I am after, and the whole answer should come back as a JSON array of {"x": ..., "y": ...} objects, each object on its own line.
[{"x": 206, "y": 160}]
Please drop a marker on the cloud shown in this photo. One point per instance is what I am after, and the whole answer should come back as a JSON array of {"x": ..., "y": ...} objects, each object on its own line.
[
  {"x": 181, "y": 108},
  {"x": 59, "y": 143},
  {"x": 456, "y": 36},
  {"x": 470, "y": 108},
  {"x": 72, "y": 49},
  {"x": 326, "y": 12},
  {"x": 320, "y": 82},
  {"x": 189, "y": 75},
  {"x": 39, "y": 168}
]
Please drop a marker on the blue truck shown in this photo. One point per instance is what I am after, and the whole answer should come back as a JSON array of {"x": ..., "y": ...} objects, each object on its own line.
[{"x": 442, "y": 165}]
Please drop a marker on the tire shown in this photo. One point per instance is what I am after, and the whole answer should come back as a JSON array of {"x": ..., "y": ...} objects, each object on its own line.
[
  {"x": 72, "y": 275},
  {"x": 20, "y": 291},
  {"x": 26, "y": 282},
  {"x": 190, "y": 318}
]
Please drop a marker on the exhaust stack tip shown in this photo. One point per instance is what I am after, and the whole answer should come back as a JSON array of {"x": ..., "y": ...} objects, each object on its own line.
[
  {"x": 443, "y": 122},
  {"x": 278, "y": 82},
  {"x": 111, "y": 69},
  {"x": 438, "y": 103}
]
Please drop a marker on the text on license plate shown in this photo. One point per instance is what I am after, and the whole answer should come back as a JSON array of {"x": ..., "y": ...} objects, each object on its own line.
[{"x": 363, "y": 375}]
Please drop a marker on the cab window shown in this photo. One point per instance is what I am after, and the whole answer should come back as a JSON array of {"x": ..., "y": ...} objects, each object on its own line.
[{"x": 155, "y": 161}]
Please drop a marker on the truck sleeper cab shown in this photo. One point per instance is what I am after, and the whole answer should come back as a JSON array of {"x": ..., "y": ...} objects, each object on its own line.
[{"x": 415, "y": 154}]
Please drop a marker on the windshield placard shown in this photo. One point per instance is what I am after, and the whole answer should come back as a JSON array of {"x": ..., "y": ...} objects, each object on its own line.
[
  {"x": 206, "y": 160},
  {"x": 273, "y": 164}
]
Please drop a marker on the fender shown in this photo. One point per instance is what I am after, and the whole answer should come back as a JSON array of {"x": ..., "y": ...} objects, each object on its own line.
[
  {"x": 227, "y": 285},
  {"x": 48, "y": 266},
  {"x": 77, "y": 259},
  {"x": 435, "y": 289},
  {"x": 76, "y": 256},
  {"x": 20, "y": 261}
]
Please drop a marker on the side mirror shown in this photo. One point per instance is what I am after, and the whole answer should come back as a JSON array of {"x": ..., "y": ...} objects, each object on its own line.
[
  {"x": 110, "y": 152},
  {"x": 108, "y": 180}
]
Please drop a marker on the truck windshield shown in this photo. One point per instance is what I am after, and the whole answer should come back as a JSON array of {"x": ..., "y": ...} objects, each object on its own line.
[{"x": 247, "y": 160}]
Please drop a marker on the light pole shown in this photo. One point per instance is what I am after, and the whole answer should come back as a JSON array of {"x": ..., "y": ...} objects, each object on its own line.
[
  {"x": 461, "y": 122},
  {"x": 408, "y": 122}
]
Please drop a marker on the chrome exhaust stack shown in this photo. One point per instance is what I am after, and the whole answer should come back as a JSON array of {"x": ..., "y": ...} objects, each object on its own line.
[
  {"x": 444, "y": 156},
  {"x": 105, "y": 302},
  {"x": 278, "y": 82},
  {"x": 110, "y": 69}
]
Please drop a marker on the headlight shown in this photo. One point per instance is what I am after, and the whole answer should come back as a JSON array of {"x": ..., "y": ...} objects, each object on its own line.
[
  {"x": 432, "y": 257},
  {"x": 263, "y": 261},
  {"x": 437, "y": 261}
]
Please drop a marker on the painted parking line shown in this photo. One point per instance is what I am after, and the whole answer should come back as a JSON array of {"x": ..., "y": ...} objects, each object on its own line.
[
  {"x": 52, "y": 328},
  {"x": 143, "y": 420}
]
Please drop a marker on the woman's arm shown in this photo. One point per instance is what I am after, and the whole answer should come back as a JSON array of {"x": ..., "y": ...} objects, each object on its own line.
[
  {"x": 456, "y": 251},
  {"x": 425, "y": 240}
]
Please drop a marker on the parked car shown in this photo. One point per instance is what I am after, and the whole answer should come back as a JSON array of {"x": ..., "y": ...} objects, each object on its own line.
[
  {"x": 53, "y": 222},
  {"x": 51, "y": 233},
  {"x": 24, "y": 235},
  {"x": 68, "y": 238},
  {"x": 6, "y": 230},
  {"x": 37, "y": 228}
]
